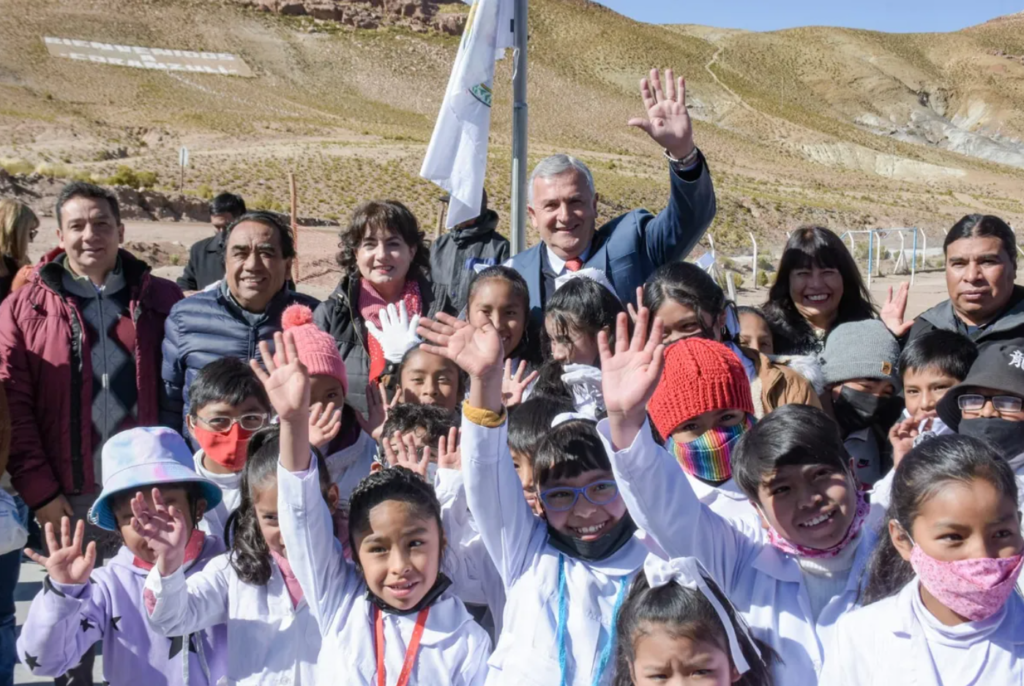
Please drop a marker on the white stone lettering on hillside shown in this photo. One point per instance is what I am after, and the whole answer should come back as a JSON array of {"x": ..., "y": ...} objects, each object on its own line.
[{"x": 221, "y": 63}]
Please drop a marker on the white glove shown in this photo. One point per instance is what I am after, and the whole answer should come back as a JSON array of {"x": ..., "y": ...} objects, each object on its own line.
[
  {"x": 584, "y": 382},
  {"x": 397, "y": 333}
]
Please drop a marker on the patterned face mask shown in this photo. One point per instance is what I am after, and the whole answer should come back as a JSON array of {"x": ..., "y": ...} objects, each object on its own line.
[{"x": 708, "y": 456}]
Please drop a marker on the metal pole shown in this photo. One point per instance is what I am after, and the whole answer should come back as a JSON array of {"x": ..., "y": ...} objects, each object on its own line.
[
  {"x": 519, "y": 129},
  {"x": 878, "y": 257},
  {"x": 913, "y": 260},
  {"x": 871, "y": 244},
  {"x": 295, "y": 224},
  {"x": 754, "y": 241},
  {"x": 924, "y": 248}
]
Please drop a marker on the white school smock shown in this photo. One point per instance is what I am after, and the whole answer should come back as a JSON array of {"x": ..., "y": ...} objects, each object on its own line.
[
  {"x": 765, "y": 584},
  {"x": 269, "y": 640},
  {"x": 453, "y": 649},
  {"x": 527, "y": 652},
  {"x": 214, "y": 520},
  {"x": 474, "y": 577},
  {"x": 351, "y": 465},
  {"x": 726, "y": 500},
  {"x": 891, "y": 643}
]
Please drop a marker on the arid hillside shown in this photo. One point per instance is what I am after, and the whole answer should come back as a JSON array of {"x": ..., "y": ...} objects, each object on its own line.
[{"x": 845, "y": 128}]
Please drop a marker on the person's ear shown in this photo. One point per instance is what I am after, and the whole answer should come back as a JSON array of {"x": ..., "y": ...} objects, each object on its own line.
[
  {"x": 596, "y": 198},
  {"x": 734, "y": 674},
  {"x": 532, "y": 215},
  {"x": 190, "y": 425},
  {"x": 760, "y": 515},
  {"x": 120, "y": 234},
  {"x": 60, "y": 239},
  {"x": 333, "y": 497},
  {"x": 200, "y": 511},
  {"x": 900, "y": 540}
]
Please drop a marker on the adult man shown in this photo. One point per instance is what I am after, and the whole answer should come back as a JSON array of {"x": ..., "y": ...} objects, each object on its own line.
[
  {"x": 981, "y": 265},
  {"x": 230, "y": 320},
  {"x": 455, "y": 256},
  {"x": 205, "y": 259},
  {"x": 563, "y": 208}
]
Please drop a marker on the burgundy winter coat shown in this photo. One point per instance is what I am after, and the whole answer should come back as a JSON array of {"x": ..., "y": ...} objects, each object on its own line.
[{"x": 46, "y": 369}]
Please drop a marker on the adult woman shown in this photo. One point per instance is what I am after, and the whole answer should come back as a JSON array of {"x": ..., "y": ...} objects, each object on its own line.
[
  {"x": 817, "y": 288},
  {"x": 18, "y": 226},
  {"x": 385, "y": 260}
]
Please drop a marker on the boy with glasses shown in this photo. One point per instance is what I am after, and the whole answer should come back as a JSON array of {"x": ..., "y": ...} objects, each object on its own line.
[{"x": 227, "y": 404}]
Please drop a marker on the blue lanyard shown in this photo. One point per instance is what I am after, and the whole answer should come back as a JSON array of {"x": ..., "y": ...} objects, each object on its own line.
[{"x": 563, "y": 616}]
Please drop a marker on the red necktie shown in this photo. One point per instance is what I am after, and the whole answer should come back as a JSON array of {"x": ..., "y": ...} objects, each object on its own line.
[{"x": 573, "y": 265}]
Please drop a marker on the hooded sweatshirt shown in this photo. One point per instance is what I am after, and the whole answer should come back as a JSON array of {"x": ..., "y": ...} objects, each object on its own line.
[{"x": 64, "y": 621}]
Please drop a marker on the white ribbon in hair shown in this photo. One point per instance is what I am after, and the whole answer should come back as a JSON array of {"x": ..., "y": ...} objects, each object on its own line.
[
  {"x": 584, "y": 382},
  {"x": 597, "y": 275},
  {"x": 688, "y": 573},
  {"x": 569, "y": 417}
]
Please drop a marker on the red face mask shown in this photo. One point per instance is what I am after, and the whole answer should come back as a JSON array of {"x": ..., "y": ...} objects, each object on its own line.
[{"x": 226, "y": 449}]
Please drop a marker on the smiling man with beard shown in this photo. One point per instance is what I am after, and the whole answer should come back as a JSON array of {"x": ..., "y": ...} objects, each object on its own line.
[
  {"x": 231, "y": 320},
  {"x": 563, "y": 208}
]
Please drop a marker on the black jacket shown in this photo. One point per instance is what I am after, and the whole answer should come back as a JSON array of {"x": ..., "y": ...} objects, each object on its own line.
[
  {"x": 205, "y": 263},
  {"x": 454, "y": 256},
  {"x": 339, "y": 316},
  {"x": 1007, "y": 326}
]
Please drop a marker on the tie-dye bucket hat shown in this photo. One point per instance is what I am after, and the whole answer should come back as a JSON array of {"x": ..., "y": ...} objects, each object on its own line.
[{"x": 146, "y": 457}]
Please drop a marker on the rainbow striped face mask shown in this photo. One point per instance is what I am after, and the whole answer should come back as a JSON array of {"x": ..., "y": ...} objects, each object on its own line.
[{"x": 708, "y": 457}]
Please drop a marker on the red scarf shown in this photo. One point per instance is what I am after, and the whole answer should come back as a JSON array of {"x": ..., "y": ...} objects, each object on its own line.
[{"x": 370, "y": 305}]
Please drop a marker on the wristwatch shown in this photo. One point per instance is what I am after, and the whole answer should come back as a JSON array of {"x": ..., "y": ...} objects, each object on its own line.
[{"x": 686, "y": 163}]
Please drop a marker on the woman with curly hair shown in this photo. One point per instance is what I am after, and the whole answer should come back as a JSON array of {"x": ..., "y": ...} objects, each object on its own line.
[{"x": 385, "y": 261}]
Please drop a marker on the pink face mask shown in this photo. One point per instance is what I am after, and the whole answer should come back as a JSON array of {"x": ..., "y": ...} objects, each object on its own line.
[{"x": 975, "y": 589}]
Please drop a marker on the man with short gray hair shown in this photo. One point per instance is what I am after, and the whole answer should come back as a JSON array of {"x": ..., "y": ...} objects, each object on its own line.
[{"x": 563, "y": 208}]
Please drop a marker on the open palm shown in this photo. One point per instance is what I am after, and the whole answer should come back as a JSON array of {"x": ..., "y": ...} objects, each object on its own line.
[
  {"x": 478, "y": 351},
  {"x": 163, "y": 529},
  {"x": 668, "y": 122},
  {"x": 630, "y": 375},
  {"x": 286, "y": 379},
  {"x": 66, "y": 564}
]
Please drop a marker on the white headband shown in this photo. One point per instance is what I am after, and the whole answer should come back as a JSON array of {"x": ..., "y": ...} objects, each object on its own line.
[
  {"x": 688, "y": 573},
  {"x": 597, "y": 275},
  {"x": 569, "y": 417}
]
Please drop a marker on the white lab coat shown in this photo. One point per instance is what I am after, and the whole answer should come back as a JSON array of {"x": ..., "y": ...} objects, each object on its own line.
[
  {"x": 886, "y": 644},
  {"x": 351, "y": 465},
  {"x": 726, "y": 500},
  {"x": 453, "y": 649},
  {"x": 527, "y": 650},
  {"x": 766, "y": 585},
  {"x": 269, "y": 640}
]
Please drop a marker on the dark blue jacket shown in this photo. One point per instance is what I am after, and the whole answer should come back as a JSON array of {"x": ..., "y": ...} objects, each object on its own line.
[
  {"x": 206, "y": 327},
  {"x": 629, "y": 248}
]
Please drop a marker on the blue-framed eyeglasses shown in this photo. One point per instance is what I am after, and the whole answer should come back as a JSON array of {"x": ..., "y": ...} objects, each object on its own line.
[{"x": 563, "y": 498}]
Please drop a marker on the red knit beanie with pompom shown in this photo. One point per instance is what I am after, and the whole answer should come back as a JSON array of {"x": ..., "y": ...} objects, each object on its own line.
[
  {"x": 316, "y": 348},
  {"x": 699, "y": 376}
]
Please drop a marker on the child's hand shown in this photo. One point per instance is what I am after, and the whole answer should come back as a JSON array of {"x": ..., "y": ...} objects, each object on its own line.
[
  {"x": 639, "y": 302},
  {"x": 406, "y": 456},
  {"x": 285, "y": 379},
  {"x": 476, "y": 350},
  {"x": 164, "y": 530},
  {"x": 66, "y": 563},
  {"x": 324, "y": 424},
  {"x": 902, "y": 436},
  {"x": 894, "y": 310},
  {"x": 513, "y": 387},
  {"x": 630, "y": 375},
  {"x": 449, "y": 454}
]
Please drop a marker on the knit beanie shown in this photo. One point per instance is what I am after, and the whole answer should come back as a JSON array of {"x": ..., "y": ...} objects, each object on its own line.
[
  {"x": 316, "y": 348},
  {"x": 860, "y": 350},
  {"x": 699, "y": 376}
]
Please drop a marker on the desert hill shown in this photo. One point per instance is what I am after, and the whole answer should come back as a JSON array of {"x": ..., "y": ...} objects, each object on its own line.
[{"x": 840, "y": 127}]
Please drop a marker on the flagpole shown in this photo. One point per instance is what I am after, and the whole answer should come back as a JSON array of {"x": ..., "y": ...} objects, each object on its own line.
[{"x": 519, "y": 129}]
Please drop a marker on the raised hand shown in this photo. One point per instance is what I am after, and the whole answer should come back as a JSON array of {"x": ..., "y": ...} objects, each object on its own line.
[
  {"x": 397, "y": 332},
  {"x": 286, "y": 379},
  {"x": 324, "y": 424},
  {"x": 66, "y": 564},
  {"x": 404, "y": 454},
  {"x": 668, "y": 121},
  {"x": 630, "y": 375},
  {"x": 513, "y": 386},
  {"x": 895, "y": 309},
  {"x": 164, "y": 530},
  {"x": 478, "y": 351},
  {"x": 902, "y": 436},
  {"x": 639, "y": 301},
  {"x": 449, "y": 454}
]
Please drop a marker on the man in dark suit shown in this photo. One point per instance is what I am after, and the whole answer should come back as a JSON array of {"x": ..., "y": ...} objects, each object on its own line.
[{"x": 206, "y": 257}]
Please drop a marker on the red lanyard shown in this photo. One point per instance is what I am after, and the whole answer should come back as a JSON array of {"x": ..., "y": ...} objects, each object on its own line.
[{"x": 410, "y": 652}]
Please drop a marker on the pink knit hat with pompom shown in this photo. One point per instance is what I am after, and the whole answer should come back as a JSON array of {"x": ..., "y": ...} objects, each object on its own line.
[{"x": 316, "y": 348}]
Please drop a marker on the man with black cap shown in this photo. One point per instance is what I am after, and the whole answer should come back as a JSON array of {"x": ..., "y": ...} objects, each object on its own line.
[{"x": 989, "y": 403}]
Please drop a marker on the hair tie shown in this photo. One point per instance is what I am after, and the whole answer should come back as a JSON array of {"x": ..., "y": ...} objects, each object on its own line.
[
  {"x": 688, "y": 573},
  {"x": 569, "y": 417},
  {"x": 597, "y": 275}
]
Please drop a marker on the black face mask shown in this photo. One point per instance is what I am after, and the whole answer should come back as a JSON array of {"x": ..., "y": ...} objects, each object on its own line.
[
  {"x": 594, "y": 551},
  {"x": 1006, "y": 436},
  {"x": 439, "y": 587},
  {"x": 856, "y": 410}
]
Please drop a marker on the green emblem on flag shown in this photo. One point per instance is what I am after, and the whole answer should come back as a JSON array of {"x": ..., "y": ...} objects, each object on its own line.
[{"x": 482, "y": 93}]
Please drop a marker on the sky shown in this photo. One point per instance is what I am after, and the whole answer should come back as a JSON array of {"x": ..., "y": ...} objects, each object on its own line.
[{"x": 902, "y": 16}]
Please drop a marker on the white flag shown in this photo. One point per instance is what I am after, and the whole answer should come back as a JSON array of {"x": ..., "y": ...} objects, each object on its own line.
[{"x": 457, "y": 155}]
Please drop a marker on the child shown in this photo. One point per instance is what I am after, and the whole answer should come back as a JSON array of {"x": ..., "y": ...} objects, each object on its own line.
[
  {"x": 792, "y": 579},
  {"x": 701, "y": 407},
  {"x": 577, "y": 311},
  {"x": 500, "y": 295},
  {"x": 940, "y": 601},
  {"x": 677, "y": 626},
  {"x": 567, "y": 575},
  {"x": 424, "y": 424},
  {"x": 227, "y": 404},
  {"x": 271, "y": 634},
  {"x": 337, "y": 434},
  {"x": 389, "y": 614},
  {"x": 528, "y": 426},
  {"x": 79, "y": 605},
  {"x": 755, "y": 333},
  {"x": 425, "y": 379},
  {"x": 859, "y": 364}
]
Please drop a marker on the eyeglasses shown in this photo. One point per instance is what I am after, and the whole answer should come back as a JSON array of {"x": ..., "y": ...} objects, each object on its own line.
[
  {"x": 563, "y": 498},
  {"x": 1004, "y": 404},
  {"x": 248, "y": 422}
]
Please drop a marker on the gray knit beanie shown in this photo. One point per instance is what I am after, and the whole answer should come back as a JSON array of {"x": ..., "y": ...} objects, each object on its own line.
[{"x": 861, "y": 350}]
